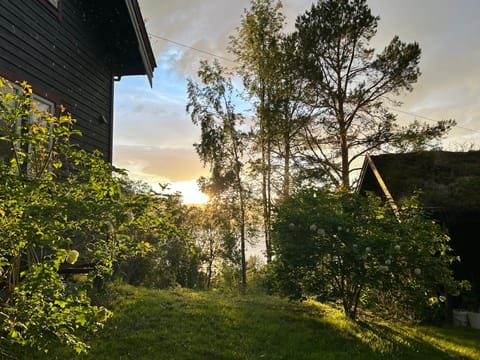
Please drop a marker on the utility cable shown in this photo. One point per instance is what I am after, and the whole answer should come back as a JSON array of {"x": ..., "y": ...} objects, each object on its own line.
[
  {"x": 191, "y": 47},
  {"x": 429, "y": 119},
  {"x": 232, "y": 61}
]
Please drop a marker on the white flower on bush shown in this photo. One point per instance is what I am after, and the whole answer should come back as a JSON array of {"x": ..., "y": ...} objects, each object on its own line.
[
  {"x": 313, "y": 227},
  {"x": 110, "y": 227},
  {"x": 339, "y": 228},
  {"x": 347, "y": 230},
  {"x": 321, "y": 232},
  {"x": 417, "y": 271},
  {"x": 397, "y": 247},
  {"x": 130, "y": 216},
  {"x": 442, "y": 298},
  {"x": 72, "y": 257},
  {"x": 291, "y": 226}
]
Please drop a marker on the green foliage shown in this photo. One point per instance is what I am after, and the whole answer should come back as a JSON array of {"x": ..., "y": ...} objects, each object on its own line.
[
  {"x": 215, "y": 235},
  {"x": 42, "y": 311},
  {"x": 256, "y": 47},
  {"x": 256, "y": 275},
  {"x": 211, "y": 104},
  {"x": 345, "y": 246},
  {"x": 258, "y": 51},
  {"x": 318, "y": 97},
  {"x": 172, "y": 257},
  {"x": 347, "y": 85},
  {"x": 59, "y": 205},
  {"x": 182, "y": 324}
]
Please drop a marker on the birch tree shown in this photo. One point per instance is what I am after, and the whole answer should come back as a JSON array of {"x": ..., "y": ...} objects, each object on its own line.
[{"x": 211, "y": 106}]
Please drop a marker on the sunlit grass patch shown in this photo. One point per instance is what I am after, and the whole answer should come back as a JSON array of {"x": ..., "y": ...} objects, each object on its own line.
[
  {"x": 458, "y": 342},
  {"x": 183, "y": 324}
]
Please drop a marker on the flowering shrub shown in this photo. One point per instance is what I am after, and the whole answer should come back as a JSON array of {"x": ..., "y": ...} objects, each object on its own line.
[
  {"x": 59, "y": 205},
  {"x": 345, "y": 246}
]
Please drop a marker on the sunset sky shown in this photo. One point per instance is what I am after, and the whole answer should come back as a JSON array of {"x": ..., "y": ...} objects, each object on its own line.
[{"x": 153, "y": 135}]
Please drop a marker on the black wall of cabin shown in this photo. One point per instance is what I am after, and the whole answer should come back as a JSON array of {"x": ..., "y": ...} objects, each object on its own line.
[{"x": 60, "y": 54}]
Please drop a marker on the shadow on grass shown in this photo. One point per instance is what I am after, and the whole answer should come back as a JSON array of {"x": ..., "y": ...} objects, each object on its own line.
[
  {"x": 413, "y": 342},
  {"x": 183, "y": 325}
]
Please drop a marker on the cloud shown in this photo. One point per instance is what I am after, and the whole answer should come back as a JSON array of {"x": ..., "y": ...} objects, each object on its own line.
[
  {"x": 154, "y": 126},
  {"x": 159, "y": 164},
  {"x": 202, "y": 24},
  {"x": 153, "y": 135},
  {"x": 447, "y": 31},
  {"x": 205, "y": 25},
  {"x": 153, "y": 117}
]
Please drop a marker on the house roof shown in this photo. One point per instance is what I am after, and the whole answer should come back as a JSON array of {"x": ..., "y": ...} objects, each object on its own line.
[
  {"x": 447, "y": 181},
  {"x": 144, "y": 46},
  {"x": 120, "y": 27}
]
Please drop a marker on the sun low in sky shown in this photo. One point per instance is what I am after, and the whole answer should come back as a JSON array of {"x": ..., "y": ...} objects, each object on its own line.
[{"x": 190, "y": 192}]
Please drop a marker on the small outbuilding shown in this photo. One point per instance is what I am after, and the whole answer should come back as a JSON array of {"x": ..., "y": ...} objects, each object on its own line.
[{"x": 448, "y": 184}]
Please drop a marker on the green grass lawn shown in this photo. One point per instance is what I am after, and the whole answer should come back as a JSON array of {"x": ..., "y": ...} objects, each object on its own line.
[{"x": 183, "y": 324}]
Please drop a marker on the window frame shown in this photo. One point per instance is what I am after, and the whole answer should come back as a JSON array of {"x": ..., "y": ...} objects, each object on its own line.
[
  {"x": 35, "y": 99},
  {"x": 35, "y": 102}
]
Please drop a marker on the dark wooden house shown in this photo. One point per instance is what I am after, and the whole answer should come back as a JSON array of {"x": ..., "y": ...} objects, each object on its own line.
[
  {"x": 71, "y": 52},
  {"x": 448, "y": 184}
]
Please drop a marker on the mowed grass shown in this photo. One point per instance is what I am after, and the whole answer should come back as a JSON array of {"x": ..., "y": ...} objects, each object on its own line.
[{"x": 184, "y": 324}]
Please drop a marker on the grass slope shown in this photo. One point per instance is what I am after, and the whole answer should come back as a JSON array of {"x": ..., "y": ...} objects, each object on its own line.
[{"x": 184, "y": 324}]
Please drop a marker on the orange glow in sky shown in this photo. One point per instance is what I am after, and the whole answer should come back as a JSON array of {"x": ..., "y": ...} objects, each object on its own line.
[{"x": 190, "y": 192}]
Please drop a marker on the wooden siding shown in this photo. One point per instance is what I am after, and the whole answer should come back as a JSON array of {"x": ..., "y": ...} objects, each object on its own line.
[{"x": 64, "y": 60}]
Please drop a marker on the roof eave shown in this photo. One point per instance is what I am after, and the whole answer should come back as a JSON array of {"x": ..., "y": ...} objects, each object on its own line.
[
  {"x": 144, "y": 46},
  {"x": 362, "y": 174},
  {"x": 369, "y": 164}
]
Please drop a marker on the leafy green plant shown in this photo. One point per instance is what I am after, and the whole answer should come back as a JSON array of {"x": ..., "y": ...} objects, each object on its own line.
[
  {"x": 58, "y": 205},
  {"x": 344, "y": 246},
  {"x": 171, "y": 256}
]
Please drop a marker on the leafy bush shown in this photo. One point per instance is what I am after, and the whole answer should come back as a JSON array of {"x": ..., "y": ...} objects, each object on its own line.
[
  {"x": 172, "y": 258},
  {"x": 58, "y": 205},
  {"x": 347, "y": 247}
]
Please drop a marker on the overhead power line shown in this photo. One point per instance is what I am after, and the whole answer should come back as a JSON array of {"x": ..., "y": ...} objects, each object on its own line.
[
  {"x": 191, "y": 47},
  {"x": 430, "y": 119},
  {"x": 233, "y": 61}
]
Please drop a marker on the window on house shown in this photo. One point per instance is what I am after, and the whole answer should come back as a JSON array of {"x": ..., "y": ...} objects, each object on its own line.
[
  {"x": 42, "y": 108},
  {"x": 5, "y": 146},
  {"x": 38, "y": 156}
]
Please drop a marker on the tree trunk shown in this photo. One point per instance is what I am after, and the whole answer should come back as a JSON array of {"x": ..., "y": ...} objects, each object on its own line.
[
  {"x": 265, "y": 169},
  {"x": 210, "y": 265},
  {"x": 242, "y": 238},
  {"x": 345, "y": 161},
  {"x": 266, "y": 225},
  {"x": 286, "y": 164},
  {"x": 343, "y": 139}
]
